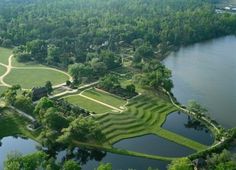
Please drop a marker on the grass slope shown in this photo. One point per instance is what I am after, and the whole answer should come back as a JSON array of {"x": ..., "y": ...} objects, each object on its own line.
[
  {"x": 145, "y": 115},
  {"x": 107, "y": 98},
  {"x": 4, "y": 55},
  {"x": 12, "y": 124},
  {"x": 29, "y": 78},
  {"x": 87, "y": 104}
]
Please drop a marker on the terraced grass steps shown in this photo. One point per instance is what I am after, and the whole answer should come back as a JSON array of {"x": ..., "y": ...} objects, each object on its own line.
[{"x": 144, "y": 115}]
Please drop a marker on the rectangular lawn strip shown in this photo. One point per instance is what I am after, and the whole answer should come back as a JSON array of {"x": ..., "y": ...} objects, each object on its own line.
[
  {"x": 87, "y": 104},
  {"x": 107, "y": 98},
  {"x": 180, "y": 139},
  {"x": 4, "y": 55},
  {"x": 12, "y": 124}
]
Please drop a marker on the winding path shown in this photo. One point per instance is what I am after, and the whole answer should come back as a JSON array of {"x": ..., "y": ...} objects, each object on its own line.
[{"x": 9, "y": 67}]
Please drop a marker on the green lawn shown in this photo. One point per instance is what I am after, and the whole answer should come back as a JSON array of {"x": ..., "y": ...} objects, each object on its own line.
[
  {"x": 2, "y": 70},
  {"x": 88, "y": 104},
  {"x": 29, "y": 78},
  {"x": 107, "y": 98},
  {"x": 12, "y": 124},
  {"x": 4, "y": 55}
]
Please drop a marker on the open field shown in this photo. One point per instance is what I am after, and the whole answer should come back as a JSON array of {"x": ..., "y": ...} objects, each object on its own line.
[
  {"x": 4, "y": 55},
  {"x": 29, "y": 78},
  {"x": 105, "y": 97},
  {"x": 2, "y": 70},
  {"x": 13, "y": 125},
  {"x": 87, "y": 104}
]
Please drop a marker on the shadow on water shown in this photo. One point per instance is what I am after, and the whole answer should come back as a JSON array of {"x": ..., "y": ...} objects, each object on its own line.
[
  {"x": 90, "y": 159},
  {"x": 155, "y": 145},
  {"x": 185, "y": 125}
]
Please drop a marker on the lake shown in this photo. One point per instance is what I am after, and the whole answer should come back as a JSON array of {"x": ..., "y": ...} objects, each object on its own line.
[{"x": 206, "y": 72}]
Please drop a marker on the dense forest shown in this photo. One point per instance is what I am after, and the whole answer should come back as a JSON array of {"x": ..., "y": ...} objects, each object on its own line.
[{"x": 96, "y": 31}]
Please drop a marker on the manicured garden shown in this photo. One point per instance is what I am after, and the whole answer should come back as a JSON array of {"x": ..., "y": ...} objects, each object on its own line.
[
  {"x": 29, "y": 78},
  {"x": 105, "y": 97},
  {"x": 145, "y": 115},
  {"x": 87, "y": 104}
]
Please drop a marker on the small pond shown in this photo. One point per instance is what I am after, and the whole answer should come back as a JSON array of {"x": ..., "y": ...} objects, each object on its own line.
[
  {"x": 15, "y": 144},
  {"x": 182, "y": 124},
  {"x": 154, "y": 145}
]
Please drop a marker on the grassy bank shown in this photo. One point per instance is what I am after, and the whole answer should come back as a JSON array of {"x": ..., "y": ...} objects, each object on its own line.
[{"x": 12, "y": 124}]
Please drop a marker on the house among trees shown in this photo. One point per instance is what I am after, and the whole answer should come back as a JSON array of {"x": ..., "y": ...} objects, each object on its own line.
[{"x": 38, "y": 93}]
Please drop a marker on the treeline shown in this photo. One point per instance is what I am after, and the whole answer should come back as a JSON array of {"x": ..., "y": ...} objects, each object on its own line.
[{"x": 74, "y": 31}]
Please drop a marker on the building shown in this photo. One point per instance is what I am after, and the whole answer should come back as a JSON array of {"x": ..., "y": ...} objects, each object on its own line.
[{"x": 38, "y": 93}]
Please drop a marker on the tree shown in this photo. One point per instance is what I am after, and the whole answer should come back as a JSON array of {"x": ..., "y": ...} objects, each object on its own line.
[
  {"x": 77, "y": 71},
  {"x": 82, "y": 129},
  {"x": 143, "y": 52},
  {"x": 24, "y": 103},
  {"x": 49, "y": 87},
  {"x": 181, "y": 164},
  {"x": 28, "y": 162},
  {"x": 109, "y": 82},
  {"x": 10, "y": 94},
  {"x": 42, "y": 106},
  {"x": 38, "y": 49},
  {"x": 195, "y": 107},
  {"x": 52, "y": 119},
  {"x": 53, "y": 54},
  {"x": 23, "y": 57},
  {"x": 130, "y": 88},
  {"x": 106, "y": 166},
  {"x": 71, "y": 165}
]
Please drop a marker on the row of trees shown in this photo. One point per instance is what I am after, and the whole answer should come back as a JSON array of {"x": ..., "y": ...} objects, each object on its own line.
[
  {"x": 154, "y": 75},
  {"x": 222, "y": 161},
  {"x": 40, "y": 160},
  {"x": 72, "y": 30}
]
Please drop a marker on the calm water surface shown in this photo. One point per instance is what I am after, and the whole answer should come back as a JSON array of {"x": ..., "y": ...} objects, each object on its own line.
[
  {"x": 206, "y": 72},
  {"x": 13, "y": 144},
  {"x": 181, "y": 124},
  {"x": 154, "y": 145}
]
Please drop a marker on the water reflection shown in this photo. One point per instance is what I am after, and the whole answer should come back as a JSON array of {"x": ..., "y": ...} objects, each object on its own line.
[
  {"x": 185, "y": 125},
  {"x": 155, "y": 145}
]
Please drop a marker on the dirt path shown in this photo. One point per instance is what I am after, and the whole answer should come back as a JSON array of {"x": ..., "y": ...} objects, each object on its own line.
[{"x": 9, "y": 67}]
